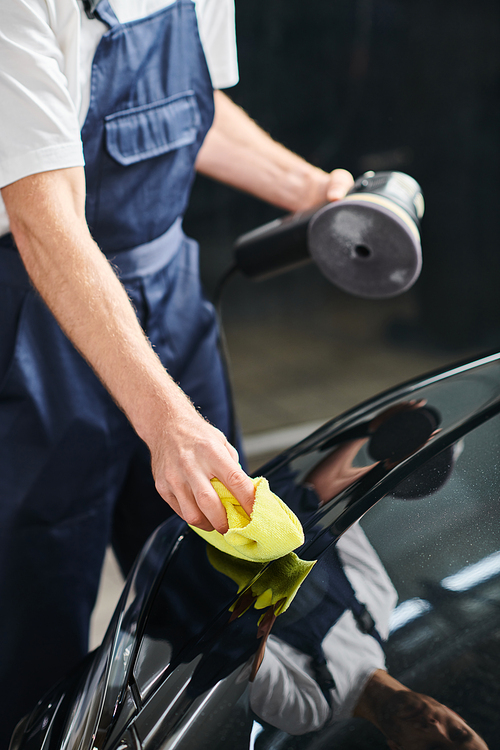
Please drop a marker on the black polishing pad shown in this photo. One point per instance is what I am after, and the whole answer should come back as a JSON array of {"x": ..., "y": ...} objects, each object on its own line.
[{"x": 365, "y": 247}]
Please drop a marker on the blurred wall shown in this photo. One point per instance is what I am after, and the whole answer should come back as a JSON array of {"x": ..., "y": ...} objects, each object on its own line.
[{"x": 381, "y": 84}]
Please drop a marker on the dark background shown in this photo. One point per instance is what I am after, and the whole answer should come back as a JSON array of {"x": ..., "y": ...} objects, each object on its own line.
[{"x": 378, "y": 84}]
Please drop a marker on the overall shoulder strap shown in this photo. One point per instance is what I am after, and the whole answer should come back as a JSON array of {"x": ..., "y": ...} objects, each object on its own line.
[
  {"x": 100, "y": 9},
  {"x": 345, "y": 594},
  {"x": 89, "y": 6}
]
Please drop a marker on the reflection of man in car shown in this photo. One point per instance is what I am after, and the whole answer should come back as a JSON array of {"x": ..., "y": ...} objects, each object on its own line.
[
  {"x": 390, "y": 437},
  {"x": 411, "y": 721},
  {"x": 287, "y": 695},
  {"x": 289, "y": 692}
]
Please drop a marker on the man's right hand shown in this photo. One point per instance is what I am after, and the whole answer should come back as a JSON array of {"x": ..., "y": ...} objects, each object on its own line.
[{"x": 186, "y": 452}]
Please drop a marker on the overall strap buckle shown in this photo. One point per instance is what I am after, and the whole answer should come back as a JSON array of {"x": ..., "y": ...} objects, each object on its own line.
[{"x": 89, "y": 7}]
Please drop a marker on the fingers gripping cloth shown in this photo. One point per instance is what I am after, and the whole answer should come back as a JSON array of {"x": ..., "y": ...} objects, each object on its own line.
[{"x": 271, "y": 531}]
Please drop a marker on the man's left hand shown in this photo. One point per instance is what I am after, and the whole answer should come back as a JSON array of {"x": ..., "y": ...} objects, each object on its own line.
[{"x": 339, "y": 183}]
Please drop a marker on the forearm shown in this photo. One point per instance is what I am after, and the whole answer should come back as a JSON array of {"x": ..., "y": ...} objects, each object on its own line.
[
  {"x": 239, "y": 153},
  {"x": 79, "y": 286}
]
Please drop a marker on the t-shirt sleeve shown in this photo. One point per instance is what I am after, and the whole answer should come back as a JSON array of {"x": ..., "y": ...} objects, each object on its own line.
[
  {"x": 284, "y": 693},
  {"x": 216, "y": 23},
  {"x": 39, "y": 129}
]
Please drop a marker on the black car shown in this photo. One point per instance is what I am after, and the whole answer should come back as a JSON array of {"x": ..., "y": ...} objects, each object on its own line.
[{"x": 393, "y": 639}]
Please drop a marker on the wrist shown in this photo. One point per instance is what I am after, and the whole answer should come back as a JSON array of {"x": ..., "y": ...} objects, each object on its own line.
[
  {"x": 302, "y": 186},
  {"x": 314, "y": 192},
  {"x": 158, "y": 406}
]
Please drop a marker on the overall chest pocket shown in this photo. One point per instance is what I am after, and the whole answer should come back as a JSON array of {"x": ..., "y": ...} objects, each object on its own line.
[
  {"x": 139, "y": 183},
  {"x": 151, "y": 130}
]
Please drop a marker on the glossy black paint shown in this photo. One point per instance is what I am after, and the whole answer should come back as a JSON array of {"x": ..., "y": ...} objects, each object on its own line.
[{"x": 173, "y": 669}]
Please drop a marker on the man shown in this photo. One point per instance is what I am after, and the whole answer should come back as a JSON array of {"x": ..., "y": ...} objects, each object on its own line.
[{"x": 134, "y": 78}]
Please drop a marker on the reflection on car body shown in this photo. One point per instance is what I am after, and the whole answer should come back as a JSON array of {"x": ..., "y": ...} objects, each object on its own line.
[{"x": 404, "y": 524}]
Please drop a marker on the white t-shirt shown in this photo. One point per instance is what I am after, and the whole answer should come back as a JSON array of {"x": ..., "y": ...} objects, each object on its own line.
[
  {"x": 46, "y": 53},
  {"x": 285, "y": 693}
]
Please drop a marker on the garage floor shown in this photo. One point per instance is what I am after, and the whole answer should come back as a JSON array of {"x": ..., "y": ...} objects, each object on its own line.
[{"x": 301, "y": 355}]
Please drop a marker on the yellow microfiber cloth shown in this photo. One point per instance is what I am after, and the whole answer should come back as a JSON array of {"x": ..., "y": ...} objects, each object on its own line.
[
  {"x": 276, "y": 587},
  {"x": 270, "y": 532}
]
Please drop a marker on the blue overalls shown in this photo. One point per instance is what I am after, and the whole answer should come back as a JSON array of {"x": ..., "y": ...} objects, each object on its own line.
[{"x": 69, "y": 460}]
